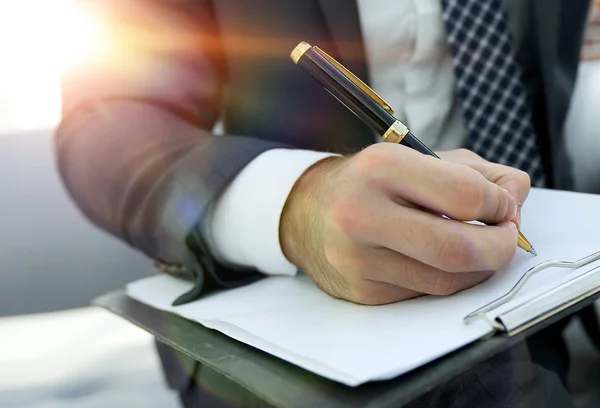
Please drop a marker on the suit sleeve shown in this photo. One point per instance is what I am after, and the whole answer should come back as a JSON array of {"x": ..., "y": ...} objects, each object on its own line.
[{"x": 134, "y": 147}]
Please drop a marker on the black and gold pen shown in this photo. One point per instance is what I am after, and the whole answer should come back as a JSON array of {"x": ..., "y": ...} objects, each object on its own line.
[{"x": 364, "y": 103}]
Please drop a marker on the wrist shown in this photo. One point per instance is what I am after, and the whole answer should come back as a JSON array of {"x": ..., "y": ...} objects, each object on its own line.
[{"x": 302, "y": 212}]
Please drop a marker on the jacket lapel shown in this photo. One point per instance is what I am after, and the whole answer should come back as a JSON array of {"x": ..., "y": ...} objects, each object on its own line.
[{"x": 342, "y": 19}]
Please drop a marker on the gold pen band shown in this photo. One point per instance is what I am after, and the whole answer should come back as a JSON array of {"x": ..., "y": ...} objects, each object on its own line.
[
  {"x": 395, "y": 133},
  {"x": 299, "y": 51}
]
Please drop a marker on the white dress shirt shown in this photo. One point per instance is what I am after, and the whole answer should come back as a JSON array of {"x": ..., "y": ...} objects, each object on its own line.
[{"x": 410, "y": 67}]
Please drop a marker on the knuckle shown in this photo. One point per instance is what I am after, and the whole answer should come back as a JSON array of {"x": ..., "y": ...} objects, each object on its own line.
[
  {"x": 365, "y": 293},
  {"x": 349, "y": 217},
  {"x": 468, "y": 153},
  {"x": 344, "y": 262},
  {"x": 334, "y": 257},
  {"x": 523, "y": 178},
  {"x": 445, "y": 284},
  {"x": 469, "y": 196},
  {"x": 372, "y": 158},
  {"x": 455, "y": 254}
]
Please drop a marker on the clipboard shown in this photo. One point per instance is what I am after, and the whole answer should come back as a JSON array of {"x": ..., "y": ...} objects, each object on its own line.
[
  {"x": 524, "y": 316},
  {"x": 539, "y": 295},
  {"x": 282, "y": 384},
  {"x": 542, "y": 307}
]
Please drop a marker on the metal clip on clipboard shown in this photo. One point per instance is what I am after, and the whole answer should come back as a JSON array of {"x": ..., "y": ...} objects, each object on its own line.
[{"x": 543, "y": 306}]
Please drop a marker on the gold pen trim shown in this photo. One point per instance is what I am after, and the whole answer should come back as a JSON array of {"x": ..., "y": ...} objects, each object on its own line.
[
  {"x": 395, "y": 133},
  {"x": 523, "y": 242},
  {"x": 304, "y": 46},
  {"x": 299, "y": 51}
]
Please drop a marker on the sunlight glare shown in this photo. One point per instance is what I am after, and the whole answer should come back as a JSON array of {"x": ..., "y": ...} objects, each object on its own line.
[
  {"x": 82, "y": 38},
  {"x": 37, "y": 39}
]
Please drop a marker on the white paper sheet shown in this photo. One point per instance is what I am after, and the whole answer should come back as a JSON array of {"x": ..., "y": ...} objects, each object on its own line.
[{"x": 292, "y": 319}]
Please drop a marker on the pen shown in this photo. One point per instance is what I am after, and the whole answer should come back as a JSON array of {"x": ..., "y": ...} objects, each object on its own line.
[{"x": 365, "y": 103}]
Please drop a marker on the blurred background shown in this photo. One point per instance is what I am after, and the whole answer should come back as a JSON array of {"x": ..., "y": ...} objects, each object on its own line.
[
  {"x": 55, "y": 350},
  {"x": 51, "y": 257}
]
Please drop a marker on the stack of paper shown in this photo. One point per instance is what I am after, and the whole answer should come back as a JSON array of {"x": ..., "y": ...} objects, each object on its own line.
[{"x": 292, "y": 319}]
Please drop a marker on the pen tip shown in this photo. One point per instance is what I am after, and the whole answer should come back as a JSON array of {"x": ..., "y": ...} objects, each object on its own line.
[{"x": 533, "y": 251}]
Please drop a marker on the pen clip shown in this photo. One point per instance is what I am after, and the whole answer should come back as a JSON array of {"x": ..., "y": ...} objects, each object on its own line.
[{"x": 364, "y": 87}]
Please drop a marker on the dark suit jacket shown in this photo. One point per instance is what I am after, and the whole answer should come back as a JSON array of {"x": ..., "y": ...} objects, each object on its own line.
[{"x": 135, "y": 147}]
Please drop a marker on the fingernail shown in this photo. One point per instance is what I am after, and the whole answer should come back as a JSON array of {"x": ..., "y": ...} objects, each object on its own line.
[
  {"x": 511, "y": 209},
  {"x": 518, "y": 218}
]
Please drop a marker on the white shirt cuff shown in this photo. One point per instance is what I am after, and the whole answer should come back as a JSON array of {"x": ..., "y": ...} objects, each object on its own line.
[{"x": 242, "y": 228}]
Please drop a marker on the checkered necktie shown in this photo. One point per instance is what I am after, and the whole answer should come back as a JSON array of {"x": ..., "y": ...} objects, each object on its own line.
[{"x": 493, "y": 99}]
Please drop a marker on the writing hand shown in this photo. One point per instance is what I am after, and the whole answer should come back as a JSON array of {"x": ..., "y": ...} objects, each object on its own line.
[{"x": 364, "y": 226}]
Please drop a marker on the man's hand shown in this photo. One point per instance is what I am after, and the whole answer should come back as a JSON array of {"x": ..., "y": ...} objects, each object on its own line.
[{"x": 366, "y": 227}]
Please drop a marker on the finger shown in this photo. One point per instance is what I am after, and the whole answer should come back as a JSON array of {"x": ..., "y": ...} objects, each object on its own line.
[
  {"x": 387, "y": 266},
  {"x": 378, "y": 293},
  {"x": 448, "y": 245},
  {"x": 515, "y": 181},
  {"x": 455, "y": 190}
]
